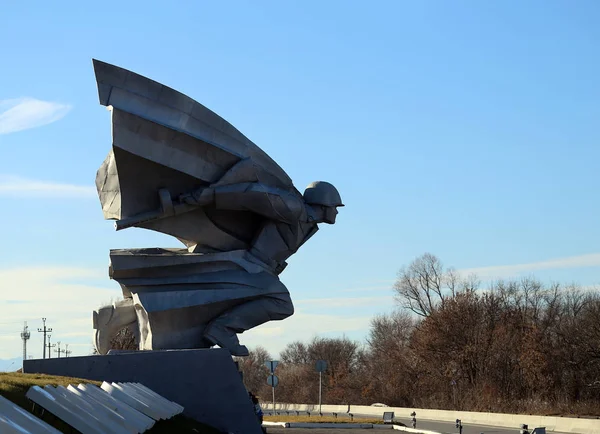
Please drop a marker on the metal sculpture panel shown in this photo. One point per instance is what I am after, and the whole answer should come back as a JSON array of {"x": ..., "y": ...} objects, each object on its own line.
[{"x": 178, "y": 168}]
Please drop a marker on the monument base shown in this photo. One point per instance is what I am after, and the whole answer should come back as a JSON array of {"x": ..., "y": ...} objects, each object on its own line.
[{"x": 205, "y": 382}]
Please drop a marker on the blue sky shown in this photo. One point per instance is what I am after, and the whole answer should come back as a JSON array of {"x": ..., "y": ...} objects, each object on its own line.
[{"x": 466, "y": 129}]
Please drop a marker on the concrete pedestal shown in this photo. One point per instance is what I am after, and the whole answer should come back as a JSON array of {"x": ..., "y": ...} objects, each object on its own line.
[{"x": 206, "y": 381}]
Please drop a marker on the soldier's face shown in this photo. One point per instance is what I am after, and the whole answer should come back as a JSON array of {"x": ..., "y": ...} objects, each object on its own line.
[{"x": 331, "y": 213}]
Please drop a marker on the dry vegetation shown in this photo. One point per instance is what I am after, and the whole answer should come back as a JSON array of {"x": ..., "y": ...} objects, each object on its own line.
[
  {"x": 14, "y": 386},
  {"x": 517, "y": 346}
]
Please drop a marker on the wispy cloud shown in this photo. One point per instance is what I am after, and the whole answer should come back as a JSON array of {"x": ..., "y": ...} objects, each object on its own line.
[
  {"x": 26, "y": 113},
  {"x": 387, "y": 287},
  {"x": 303, "y": 326},
  {"x": 346, "y": 302},
  {"x": 348, "y": 311},
  {"x": 66, "y": 296},
  {"x": 14, "y": 185},
  {"x": 505, "y": 271}
]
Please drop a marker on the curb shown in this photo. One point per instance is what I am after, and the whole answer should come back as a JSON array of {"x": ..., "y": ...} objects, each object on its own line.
[
  {"x": 328, "y": 425},
  {"x": 267, "y": 424},
  {"x": 414, "y": 430},
  {"x": 346, "y": 426}
]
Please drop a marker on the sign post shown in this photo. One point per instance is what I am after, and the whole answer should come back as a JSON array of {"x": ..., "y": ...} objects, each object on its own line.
[
  {"x": 272, "y": 379},
  {"x": 321, "y": 367}
]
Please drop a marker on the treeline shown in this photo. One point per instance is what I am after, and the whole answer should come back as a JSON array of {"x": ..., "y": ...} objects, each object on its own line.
[{"x": 515, "y": 346}]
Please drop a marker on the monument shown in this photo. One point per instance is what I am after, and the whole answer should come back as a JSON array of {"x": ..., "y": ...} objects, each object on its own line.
[{"x": 178, "y": 168}]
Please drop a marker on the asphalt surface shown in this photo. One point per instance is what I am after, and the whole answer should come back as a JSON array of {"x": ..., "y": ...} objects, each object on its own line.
[
  {"x": 318, "y": 431},
  {"x": 450, "y": 428},
  {"x": 441, "y": 427},
  {"x": 432, "y": 426}
]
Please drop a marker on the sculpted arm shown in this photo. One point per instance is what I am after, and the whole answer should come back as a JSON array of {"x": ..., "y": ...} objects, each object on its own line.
[{"x": 267, "y": 201}]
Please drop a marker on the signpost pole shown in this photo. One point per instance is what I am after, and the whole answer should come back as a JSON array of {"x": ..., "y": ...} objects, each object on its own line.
[
  {"x": 321, "y": 366},
  {"x": 272, "y": 380},
  {"x": 320, "y": 390}
]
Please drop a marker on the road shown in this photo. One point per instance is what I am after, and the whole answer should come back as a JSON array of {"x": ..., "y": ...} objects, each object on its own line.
[
  {"x": 438, "y": 426},
  {"x": 450, "y": 428},
  {"x": 442, "y": 427},
  {"x": 317, "y": 431}
]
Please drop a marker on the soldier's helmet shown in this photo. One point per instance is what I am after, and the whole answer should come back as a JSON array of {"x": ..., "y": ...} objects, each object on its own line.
[{"x": 322, "y": 193}]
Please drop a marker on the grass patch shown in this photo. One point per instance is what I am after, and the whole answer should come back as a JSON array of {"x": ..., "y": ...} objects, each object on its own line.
[
  {"x": 14, "y": 386},
  {"x": 320, "y": 419}
]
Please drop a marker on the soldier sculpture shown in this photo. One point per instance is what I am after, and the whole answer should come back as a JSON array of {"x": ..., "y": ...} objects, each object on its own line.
[{"x": 178, "y": 168}]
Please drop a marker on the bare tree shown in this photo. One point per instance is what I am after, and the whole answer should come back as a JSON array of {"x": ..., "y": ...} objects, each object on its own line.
[
  {"x": 390, "y": 334},
  {"x": 425, "y": 284},
  {"x": 389, "y": 361},
  {"x": 124, "y": 340},
  {"x": 254, "y": 370},
  {"x": 295, "y": 353},
  {"x": 341, "y": 382}
]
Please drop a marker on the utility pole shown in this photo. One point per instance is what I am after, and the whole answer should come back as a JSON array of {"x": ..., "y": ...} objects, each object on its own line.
[
  {"x": 45, "y": 331},
  {"x": 25, "y": 335},
  {"x": 67, "y": 351},
  {"x": 59, "y": 351},
  {"x": 49, "y": 348}
]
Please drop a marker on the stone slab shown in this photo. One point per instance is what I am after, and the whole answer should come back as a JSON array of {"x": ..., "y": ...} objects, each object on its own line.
[
  {"x": 15, "y": 415},
  {"x": 139, "y": 420},
  {"x": 206, "y": 382}
]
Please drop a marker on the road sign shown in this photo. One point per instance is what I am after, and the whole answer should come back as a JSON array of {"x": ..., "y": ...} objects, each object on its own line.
[
  {"x": 272, "y": 364},
  {"x": 272, "y": 380},
  {"x": 321, "y": 365}
]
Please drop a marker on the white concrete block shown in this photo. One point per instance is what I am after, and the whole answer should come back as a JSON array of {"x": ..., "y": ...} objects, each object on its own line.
[
  {"x": 130, "y": 421},
  {"x": 9, "y": 427},
  {"x": 413, "y": 430},
  {"x": 276, "y": 424},
  {"x": 97, "y": 409},
  {"x": 23, "y": 418},
  {"x": 161, "y": 403},
  {"x": 131, "y": 401},
  {"x": 144, "y": 390},
  {"x": 78, "y": 421},
  {"x": 154, "y": 396},
  {"x": 140, "y": 420},
  {"x": 153, "y": 403},
  {"x": 147, "y": 389},
  {"x": 340, "y": 409},
  {"x": 79, "y": 406}
]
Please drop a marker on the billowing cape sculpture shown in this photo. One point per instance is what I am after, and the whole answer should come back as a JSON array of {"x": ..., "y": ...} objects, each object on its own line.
[{"x": 178, "y": 168}]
